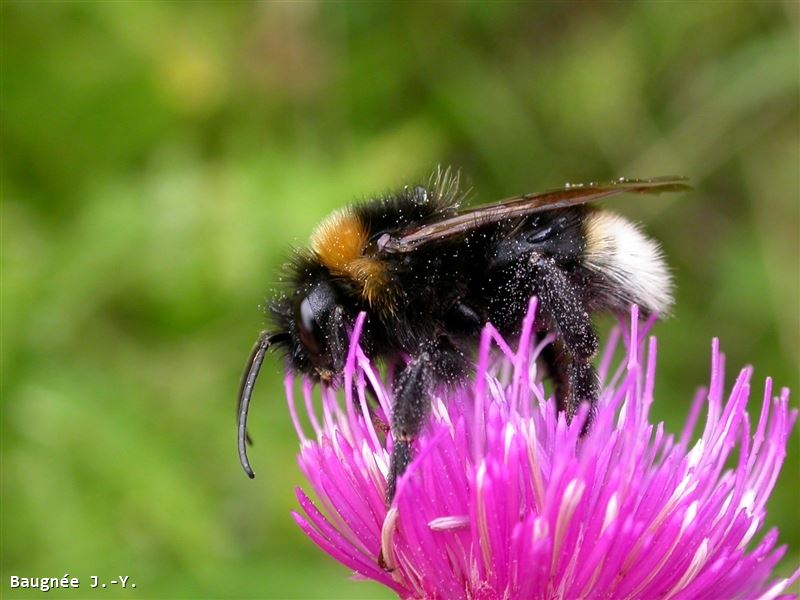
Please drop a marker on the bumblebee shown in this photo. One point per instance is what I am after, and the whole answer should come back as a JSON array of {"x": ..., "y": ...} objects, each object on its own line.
[{"x": 430, "y": 275}]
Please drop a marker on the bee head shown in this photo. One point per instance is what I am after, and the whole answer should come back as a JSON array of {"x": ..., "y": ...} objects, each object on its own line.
[{"x": 316, "y": 327}]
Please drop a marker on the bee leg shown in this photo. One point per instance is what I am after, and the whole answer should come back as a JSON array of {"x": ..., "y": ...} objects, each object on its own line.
[
  {"x": 411, "y": 404},
  {"x": 570, "y": 361},
  {"x": 584, "y": 388},
  {"x": 338, "y": 338},
  {"x": 556, "y": 363},
  {"x": 373, "y": 404},
  {"x": 440, "y": 362},
  {"x": 462, "y": 318}
]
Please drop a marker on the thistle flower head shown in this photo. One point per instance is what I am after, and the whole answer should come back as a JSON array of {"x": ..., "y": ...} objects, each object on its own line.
[{"x": 504, "y": 499}]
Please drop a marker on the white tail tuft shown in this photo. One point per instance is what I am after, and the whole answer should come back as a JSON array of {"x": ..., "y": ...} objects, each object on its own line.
[{"x": 632, "y": 262}]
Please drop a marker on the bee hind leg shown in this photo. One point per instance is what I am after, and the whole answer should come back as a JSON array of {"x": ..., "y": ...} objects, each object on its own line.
[{"x": 569, "y": 361}]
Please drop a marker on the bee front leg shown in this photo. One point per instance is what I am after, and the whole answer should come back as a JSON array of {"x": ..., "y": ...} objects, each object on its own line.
[{"x": 338, "y": 336}]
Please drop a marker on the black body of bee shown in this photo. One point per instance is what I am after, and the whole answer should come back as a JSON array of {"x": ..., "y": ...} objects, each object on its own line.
[{"x": 430, "y": 275}]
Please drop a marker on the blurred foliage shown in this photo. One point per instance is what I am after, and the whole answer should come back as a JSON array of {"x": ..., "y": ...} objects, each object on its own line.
[{"x": 159, "y": 158}]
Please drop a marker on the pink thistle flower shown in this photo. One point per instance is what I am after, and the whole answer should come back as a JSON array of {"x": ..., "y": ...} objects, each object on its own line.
[{"x": 505, "y": 500}]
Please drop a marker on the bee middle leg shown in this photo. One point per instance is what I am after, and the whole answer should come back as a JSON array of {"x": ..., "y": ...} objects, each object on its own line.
[
  {"x": 411, "y": 405},
  {"x": 436, "y": 363}
]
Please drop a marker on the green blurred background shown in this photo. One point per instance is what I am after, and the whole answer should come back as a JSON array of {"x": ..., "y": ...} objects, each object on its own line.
[{"x": 160, "y": 158}]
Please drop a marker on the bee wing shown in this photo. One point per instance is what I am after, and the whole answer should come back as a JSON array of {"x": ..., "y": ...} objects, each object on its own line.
[{"x": 412, "y": 238}]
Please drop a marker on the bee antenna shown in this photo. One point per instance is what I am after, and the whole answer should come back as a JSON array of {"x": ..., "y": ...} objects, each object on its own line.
[{"x": 253, "y": 366}]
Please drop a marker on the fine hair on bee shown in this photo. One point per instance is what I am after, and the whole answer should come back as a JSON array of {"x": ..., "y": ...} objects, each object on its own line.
[{"x": 430, "y": 274}]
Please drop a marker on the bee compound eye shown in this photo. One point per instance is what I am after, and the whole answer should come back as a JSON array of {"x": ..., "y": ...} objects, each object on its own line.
[
  {"x": 308, "y": 326},
  {"x": 307, "y": 321}
]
